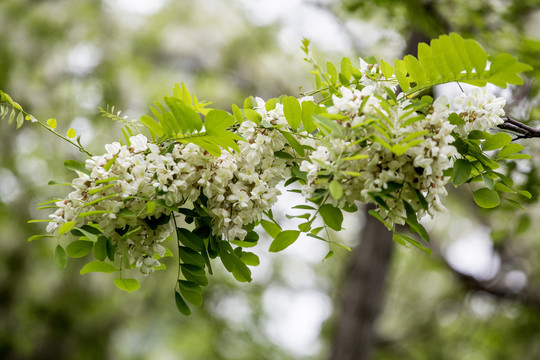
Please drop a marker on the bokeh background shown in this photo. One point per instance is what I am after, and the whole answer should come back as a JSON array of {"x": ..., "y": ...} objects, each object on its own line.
[{"x": 477, "y": 297}]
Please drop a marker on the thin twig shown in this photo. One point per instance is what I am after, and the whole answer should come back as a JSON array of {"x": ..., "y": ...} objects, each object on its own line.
[{"x": 524, "y": 131}]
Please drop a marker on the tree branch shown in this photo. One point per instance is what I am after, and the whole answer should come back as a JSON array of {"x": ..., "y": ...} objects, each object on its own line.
[{"x": 524, "y": 131}]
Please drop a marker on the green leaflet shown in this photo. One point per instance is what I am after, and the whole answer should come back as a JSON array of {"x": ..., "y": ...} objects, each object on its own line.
[
  {"x": 332, "y": 216},
  {"x": 462, "y": 171},
  {"x": 12, "y": 111},
  {"x": 292, "y": 111},
  {"x": 308, "y": 109},
  {"x": 181, "y": 305},
  {"x": 452, "y": 58},
  {"x": 76, "y": 166},
  {"x": 191, "y": 292},
  {"x": 98, "y": 266},
  {"x": 60, "y": 257},
  {"x": 271, "y": 228},
  {"x": 128, "y": 285},
  {"x": 180, "y": 116},
  {"x": 194, "y": 273},
  {"x": 250, "y": 259},
  {"x": 403, "y": 239},
  {"x": 486, "y": 198},
  {"x": 66, "y": 227},
  {"x": 336, "y": 190},
  {"x": 284, "y": 240},
  {"x": 497, "y": 141},
  {"x": 79, "y": 248},
  {"x": 233, "y": 263}
]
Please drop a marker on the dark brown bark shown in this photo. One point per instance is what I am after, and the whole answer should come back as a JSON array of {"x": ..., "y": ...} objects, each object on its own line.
[{"x": 363, "y": 293}]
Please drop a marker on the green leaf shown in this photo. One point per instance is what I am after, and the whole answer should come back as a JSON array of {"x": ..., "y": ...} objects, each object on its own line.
[
  {"x": 76, "y": 166},
  {"x": 194, "y": 273},
  {"x": 336, "y": 190},
  {"x": 153, "y": 126},
  {"x": 504, "y": 70},
  {"x": 250, "y": 258},
  {"x": 308, "y": 109},
  {"x": 271, "y": 228},
  {"x": 79, "y": 248},
  {"x": 246, "y": 244},
  {"x": 128, "y": 285},
  {"x": 413, "y": 223},
  {"x": 292, "y": 111},
  {"x": 237, "y": 114},
  {"x": 426, "y": 59},
  {"x": 190, "y": 240},
  {"x": 525, "y": 193},
  {"x": 37, "y": 237},
  {"x": 71, "y": 133},
  {"x": 497, "y": 141},
  {"x": 304, "y": 227},
  {"x": 509, "y": 149},
  {"x": 95, "y": 212},
  {"x": 218, "y": 120},
  {"x": 181, "y": 119},
  {"x": 329, "y": 255},
  {"x": 421, "y": 199},
  {"x": 486, "y": 198},
  {"x": 517, "y": 156},
  {"x": 332, "y": 216},
  {"x": 88, "y": 233},
  {"x": 354, "y": 157},
  {"x": 253, "y": 115},
  {"x": 52, "y": 123},
  {"x": 293, "y": 142},
  {"x": 284, "y": 240},
  {"x": 304, "y": 207},
  {"x": 189, "y": 256},
  {"x": 100, "y": 248},
  {"x": 402, "y": 238},
  {"x": 181, "y": 304},
  {"x": 455, "y": 119},
  {"x": 488, "y": 181},
  {"x": 452, "y": 56},
  {"x": 386, "y": 69},
  {"x": 515, "y": 203},
  {"x": 240, "y": 271},
  {"x": 477, "y": 135},
  {"x": 191, "y": 292},
  {"x": 150, "y": 207},
  {"x": 283, "y": 155},
  {"x": 60, "y": 257},
  {"x": 400, "y": 70},
  {"x": 346, "y": 67},
  {"x": 98, "y": 266},
  {"x": 416, "y": 70},
  {"x": 66, "y": 227},
  {"x": 462, "y": 171}
]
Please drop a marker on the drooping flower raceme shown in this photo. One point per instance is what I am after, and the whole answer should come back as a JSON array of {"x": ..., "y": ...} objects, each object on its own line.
[
  {"x": 118, "y": 185},
  {"x": 395, "y": 149},
  {"x": 383, "y": 149}
]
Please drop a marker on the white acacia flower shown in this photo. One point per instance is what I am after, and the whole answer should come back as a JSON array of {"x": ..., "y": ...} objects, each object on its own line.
[{"x": 139, "y": 143}]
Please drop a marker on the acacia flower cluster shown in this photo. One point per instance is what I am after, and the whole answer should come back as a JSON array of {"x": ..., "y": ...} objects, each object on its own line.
[
  {"x": 386, "y": 149},
  {"x": 118, "y": 185},
  {"x": 400, "y": 151}
]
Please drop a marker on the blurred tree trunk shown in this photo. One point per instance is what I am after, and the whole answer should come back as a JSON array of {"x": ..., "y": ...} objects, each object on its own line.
[{"x": 363, "y": 294}]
